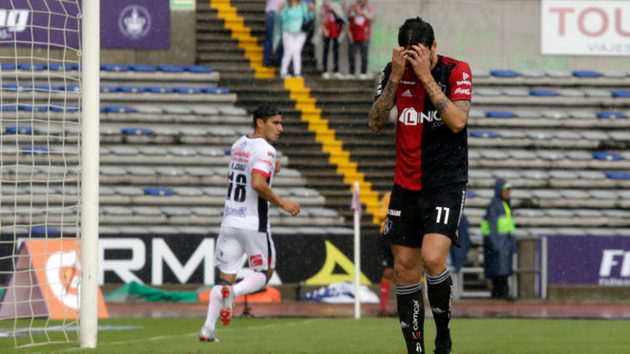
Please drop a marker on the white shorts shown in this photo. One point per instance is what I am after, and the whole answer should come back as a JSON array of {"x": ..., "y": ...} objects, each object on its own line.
[{"x": 233, "y": 242}]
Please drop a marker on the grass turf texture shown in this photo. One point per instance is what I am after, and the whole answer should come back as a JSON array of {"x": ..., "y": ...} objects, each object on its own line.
[{"x": 346, "y": 335}]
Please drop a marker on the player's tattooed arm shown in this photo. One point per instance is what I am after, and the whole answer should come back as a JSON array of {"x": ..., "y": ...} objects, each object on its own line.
[
  {"x": 381, "y": 107},
  {"x": 454, "y": 114}
]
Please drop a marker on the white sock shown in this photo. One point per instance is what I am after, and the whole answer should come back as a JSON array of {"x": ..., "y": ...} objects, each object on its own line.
[
  {"x": 252, "y": 282},
  {"x": 214, "y": 306}
]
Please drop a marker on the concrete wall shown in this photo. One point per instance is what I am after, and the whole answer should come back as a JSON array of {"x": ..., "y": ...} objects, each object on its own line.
[{"x": 489, "y": 34}]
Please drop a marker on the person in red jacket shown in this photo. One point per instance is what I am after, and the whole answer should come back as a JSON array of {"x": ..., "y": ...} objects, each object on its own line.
[
  {"x": 360, "y": 15},
  {"x": 333, "y": 21}
]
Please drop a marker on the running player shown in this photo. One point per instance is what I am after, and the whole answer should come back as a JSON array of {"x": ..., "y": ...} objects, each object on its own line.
[
  {"x": 432, "y": 95},
  {"x": 245, "y": 225}
]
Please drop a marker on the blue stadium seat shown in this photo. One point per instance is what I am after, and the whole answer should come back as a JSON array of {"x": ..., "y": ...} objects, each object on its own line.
[
  {"x": 72, "y": 88},
  {"x": 54, "y": 66},
  {"x": 8, "y": 108},
  {"x": 130, "y": 89},
  {"x": 606, "y": 156},
  {"x": 500, "y": 114},
  {"x": 18, "y": 130},
  {"x": 142, "y": 67},
  {"x": 171, "y": 68},
  {"x": 159, "y": 89},
  {"x": 30, "y": 66},
  {"x": 215, "y": 90},
  {"x": 504, "y": 73},
  {"x": 36, "y": 108},
  {"x": 44, "y": 230},
  {"x": 73, "y": 67},
  {"x": 610, "y": 115},
  {"x": 41, "y": 87},
  {"x": 483, "y": 134},
  {"x": 35, "y": 150},
  {"x": 187, "y": 89},
  {"x": 114, "y": 67},
  {"x": 108, "y": 88},
  {"x": 198, "y": 68},
  {"x": 117, "y": 109},
  {"x": 7, "y": 66},
  {"x": 620, "y": 93},
  {"x": 158, "y": 191},
  {"x": 16, "y": 87},
  {"x": 136, "y": 131},
  {"x": 543, "y": 93},
  {"x": 586, "y": 73},
  {"x": 617, "y": 175}
]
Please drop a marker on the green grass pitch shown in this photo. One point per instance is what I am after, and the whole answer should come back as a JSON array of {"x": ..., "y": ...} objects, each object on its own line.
[{"x": 343, "y": 335}]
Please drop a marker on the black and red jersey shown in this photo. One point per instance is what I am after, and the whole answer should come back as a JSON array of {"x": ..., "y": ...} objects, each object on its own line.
[{"x": 428, "y": 153}]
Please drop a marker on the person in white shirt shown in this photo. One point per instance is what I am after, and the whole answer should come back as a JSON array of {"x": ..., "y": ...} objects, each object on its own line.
[{"x": 245, "y": 224}]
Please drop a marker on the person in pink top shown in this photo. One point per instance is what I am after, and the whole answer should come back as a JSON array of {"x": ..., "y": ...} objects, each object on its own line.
[
  {"x": 360, "y": 15},
  {"x": 334, "y": 19}
]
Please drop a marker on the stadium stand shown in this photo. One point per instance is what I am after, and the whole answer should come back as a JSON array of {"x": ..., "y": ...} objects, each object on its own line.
[{"x": 164, "y": 152}]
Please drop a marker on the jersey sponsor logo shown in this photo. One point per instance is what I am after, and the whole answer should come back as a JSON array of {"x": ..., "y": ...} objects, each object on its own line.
[
  {"x": 462, "y": 91},
  {"x": 410, "y": 116},
  {"x": 236, "y": 212},
  {"x": 463, "y": 82},
  {"x": 393, "y": 212},
  {"x": 12, "y": 21},
  {"x": 256, "y": 260},
  {"x": 239, "y": 166},
  {"x": 465, "y": 76}
]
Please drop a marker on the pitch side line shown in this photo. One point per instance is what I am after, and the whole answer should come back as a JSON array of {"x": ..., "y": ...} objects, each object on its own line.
[{"x": 253, "y": 328}]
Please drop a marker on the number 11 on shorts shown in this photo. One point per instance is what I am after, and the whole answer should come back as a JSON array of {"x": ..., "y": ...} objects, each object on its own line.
[{"x": 439, "y": 214}]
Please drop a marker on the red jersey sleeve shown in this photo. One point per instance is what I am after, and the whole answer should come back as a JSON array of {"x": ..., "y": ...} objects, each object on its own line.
[{"x": 461, "y": 82}]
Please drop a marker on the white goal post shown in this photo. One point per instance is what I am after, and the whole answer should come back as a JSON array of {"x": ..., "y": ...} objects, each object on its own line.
[
  {"x": 90, "y": 131},
  {"x": 49, "y": 171}
]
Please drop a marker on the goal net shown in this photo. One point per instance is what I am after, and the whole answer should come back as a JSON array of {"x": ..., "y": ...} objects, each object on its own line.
[{"x": 41, "y": 100}]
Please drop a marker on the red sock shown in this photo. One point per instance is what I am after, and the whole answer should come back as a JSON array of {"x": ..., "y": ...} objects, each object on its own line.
[{"x": 386, "y": 287}]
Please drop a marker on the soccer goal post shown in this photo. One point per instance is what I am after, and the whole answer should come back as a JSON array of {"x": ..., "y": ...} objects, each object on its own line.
[
  {"x": 49, "y": 171},
  {"x": 90, "y": 132}
]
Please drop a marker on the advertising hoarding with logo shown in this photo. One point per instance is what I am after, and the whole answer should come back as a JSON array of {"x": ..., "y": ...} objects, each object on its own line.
[
  {"x": 125, "y": 24},
  {"x": 135, "y": 24},
  {"x": 585, "y": 27},
  {"x": 596, "y": 260}
]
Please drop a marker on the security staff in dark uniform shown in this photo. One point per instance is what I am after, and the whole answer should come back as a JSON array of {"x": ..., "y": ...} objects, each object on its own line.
[{"x": 432, "y": 94}]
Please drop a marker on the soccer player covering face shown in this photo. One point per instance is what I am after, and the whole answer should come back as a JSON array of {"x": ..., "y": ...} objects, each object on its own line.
[
  {"x": 432, "y": 95},
  {"x": 245, "y": 224}
]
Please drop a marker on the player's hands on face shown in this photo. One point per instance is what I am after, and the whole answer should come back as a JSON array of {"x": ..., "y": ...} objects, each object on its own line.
[
  {"x": 399, "y": 60},
  {"x": 291, "y": 207},
  {"x": 419, "y": 57}
]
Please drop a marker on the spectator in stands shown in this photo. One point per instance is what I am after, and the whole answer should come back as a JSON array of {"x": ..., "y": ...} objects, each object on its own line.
[
  {"x": 294, "y": 14},
  {"x": 458, "y": 254},
  {"x": 333, "y": 19},
  {"x": 432, "y": 95},
  {"x": 245, "y": 224},
  {"x": 360, "y": 15},
  {"x": 271, "y": 11},
  {"x": 499, "y": 243}
]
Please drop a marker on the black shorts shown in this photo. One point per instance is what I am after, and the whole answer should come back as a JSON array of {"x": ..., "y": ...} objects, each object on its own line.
[{"x": 413, "y": 214}]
